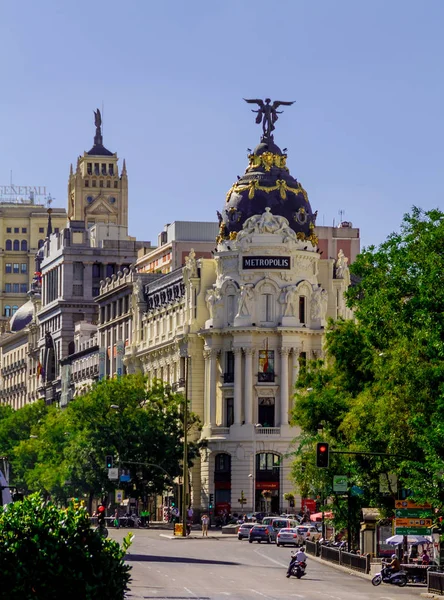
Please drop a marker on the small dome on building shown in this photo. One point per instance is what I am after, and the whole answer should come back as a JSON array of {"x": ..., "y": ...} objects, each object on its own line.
[{"x": 22, "y": 317}]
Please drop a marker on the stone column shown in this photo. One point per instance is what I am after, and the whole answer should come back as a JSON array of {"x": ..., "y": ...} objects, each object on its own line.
[
  {"x": 294, "y": 368},
  {"x": 237, "y": 385},
  {"x": 248, "y": 393},
  {"x": 213, "y": 385},
  {"x": 206, "y": 388},
  {"x": 284, "y": 385}
]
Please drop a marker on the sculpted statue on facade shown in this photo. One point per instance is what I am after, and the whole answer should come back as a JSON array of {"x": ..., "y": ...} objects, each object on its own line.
[
  {"x": 341, "y": 265},
  {"x": 213, "y": 299},
  {"x": 191, "y": 264},
  {"x": 246, "y": 298},
  {"x": 291, "y": 301}
]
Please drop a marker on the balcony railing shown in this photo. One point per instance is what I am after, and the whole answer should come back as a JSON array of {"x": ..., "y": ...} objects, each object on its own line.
[
  {"x": 265, "y": 377},
  {"x": 228, "y": 377},
  {"x": 268, "y": 430},
  {"x": 220, "y": 430}
]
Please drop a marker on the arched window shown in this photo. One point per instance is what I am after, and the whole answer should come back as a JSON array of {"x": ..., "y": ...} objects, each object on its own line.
[
  {"x": 8, "y": 245},
  {"x": 24, "y": 245},
  {"x": 7, "y": 311},
  {"x": 16, "y": 245},
  {"x": 40, "y": 244},
  {"x": 14, "y": 309}
]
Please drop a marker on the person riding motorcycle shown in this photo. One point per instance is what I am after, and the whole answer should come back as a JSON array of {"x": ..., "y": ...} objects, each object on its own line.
[
  {"x": 299, "y": 557},
  {"x": 394, "y": 566}
]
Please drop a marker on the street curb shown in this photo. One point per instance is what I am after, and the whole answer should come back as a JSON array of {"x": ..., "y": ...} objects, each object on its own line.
[
  {"x": 340, "y": 567},
  {"x": 430, "y": 595},
  {"x": 194, "y": 537}
]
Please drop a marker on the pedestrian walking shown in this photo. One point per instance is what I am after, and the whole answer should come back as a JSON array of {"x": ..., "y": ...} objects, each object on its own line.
[
  {"x": 116, "y": 519},
  {"x": 205, "y": 520}
]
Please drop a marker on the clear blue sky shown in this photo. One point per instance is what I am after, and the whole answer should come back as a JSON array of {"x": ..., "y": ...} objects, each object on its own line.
[{"x": 365, "y": 135}]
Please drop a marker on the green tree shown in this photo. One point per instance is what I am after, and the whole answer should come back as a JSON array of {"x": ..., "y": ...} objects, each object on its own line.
[
  {"x": 381, "y": 386},
  {"x": 122, "y": 417}
]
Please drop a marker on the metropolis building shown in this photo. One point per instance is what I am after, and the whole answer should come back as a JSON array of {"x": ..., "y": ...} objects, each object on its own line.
[{"x": 245, "y": 322}]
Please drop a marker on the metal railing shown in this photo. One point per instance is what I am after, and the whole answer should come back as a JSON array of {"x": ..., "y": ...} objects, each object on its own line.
[
  {"x": 312, "y": 548},
  {"x": 353, "y": 561},
  {"x": 331, "y": 554},
  {"x": 435, "y": 582}
]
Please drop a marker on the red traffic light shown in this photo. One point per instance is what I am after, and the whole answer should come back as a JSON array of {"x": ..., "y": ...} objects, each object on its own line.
[{"x": 322, "y": 455}]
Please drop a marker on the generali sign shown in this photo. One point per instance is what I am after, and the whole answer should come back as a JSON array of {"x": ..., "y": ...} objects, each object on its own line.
[{"x": 22, "y": 190}]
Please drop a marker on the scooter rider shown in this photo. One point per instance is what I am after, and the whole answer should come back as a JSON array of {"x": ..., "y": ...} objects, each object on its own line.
[
  {"x": 299, "y": 557},
  {"x": 394, "y": 566}
]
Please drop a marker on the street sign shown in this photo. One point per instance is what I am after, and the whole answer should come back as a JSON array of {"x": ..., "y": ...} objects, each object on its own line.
[
  {"x": 340, "y": 483},
  {"x": 119, "y": 496},
  {"x": 418, "y": 513},
  {"x": 410, "y": 504},
  {"x": 412, "y": 531},
  {"x": 413, "y": 522},
  {"x": 113, "y": 473}
]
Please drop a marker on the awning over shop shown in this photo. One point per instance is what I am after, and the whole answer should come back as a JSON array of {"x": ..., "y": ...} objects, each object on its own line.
[{"x": 318, "y": 516}]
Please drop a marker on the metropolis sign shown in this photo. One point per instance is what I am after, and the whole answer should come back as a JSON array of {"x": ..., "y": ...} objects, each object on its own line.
[{"x": 266, "y": 262}]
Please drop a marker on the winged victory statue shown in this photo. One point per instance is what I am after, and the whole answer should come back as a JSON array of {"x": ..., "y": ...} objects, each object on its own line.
[{"x": 267, "y": 114}]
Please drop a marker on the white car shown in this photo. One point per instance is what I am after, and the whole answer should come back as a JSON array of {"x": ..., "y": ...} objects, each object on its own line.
[
  {"x": 288, "y": 537},
  {"x": 309, "y": 532}
]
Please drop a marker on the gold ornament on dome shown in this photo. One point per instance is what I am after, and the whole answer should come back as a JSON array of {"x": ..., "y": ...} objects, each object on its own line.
[
  {"x": 281, "y": 185},
  {"x": 267, "y": 160},
  {"x": 233, "y": 235}
]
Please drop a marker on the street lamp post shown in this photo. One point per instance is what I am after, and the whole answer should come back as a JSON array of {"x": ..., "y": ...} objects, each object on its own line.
[
  {"x": 185, "y": 454},
  {"x": 253, "y": 472}
]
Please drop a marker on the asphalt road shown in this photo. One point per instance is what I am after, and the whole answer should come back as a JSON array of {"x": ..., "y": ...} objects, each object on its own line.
[{"x": 221, "y": 569}]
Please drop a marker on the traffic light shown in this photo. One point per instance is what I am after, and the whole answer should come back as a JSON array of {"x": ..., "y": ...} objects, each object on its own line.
[
  {"x": 322, "y": 455},
  {"x": 173, "y": 503},
  {"x": 211, "y": 500},
  {"x": 109, "y": 461},
  {"x": 101, "y": 515}
]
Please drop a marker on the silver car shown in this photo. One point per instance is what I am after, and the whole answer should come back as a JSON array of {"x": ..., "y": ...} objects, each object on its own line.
[
  {"x": 288, "y": 537},
  {"x": 244, "y": 531}
]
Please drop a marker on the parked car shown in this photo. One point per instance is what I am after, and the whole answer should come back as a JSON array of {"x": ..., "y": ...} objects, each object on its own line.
[
  {"x": 262, "y": 533},
  {"x": 288, "y": 537},
  {"x": 244, "y": 531},
  {"x": 309, "y": 532}
]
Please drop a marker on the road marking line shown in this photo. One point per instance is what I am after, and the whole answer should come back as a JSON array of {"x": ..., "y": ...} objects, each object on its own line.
[
  {"x": 261, "y": 594},
  {"x": 272, "y": 559},
  {"x": 190, "y": 592}
]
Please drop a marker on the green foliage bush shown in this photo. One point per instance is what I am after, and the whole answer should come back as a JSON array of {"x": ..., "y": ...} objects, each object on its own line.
[{"x": 48, "y": 553}]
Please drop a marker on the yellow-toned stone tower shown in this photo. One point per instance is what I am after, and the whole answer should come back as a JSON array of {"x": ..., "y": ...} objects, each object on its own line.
[{"x": 97, "y": 192}]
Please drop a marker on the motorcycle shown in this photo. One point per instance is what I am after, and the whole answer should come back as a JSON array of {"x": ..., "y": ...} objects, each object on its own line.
[
  {"x": 296, "y": 568},
  {"x": 387, "y": 576}
]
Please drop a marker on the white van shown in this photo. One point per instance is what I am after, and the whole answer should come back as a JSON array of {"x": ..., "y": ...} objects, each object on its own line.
[{"x": 279, "y": 523}]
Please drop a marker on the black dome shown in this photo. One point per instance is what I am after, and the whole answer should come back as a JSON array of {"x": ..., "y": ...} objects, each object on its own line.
[{"x": 267, "y": 183}]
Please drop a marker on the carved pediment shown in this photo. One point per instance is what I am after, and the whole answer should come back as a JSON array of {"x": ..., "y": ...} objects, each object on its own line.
[{"x": 100, "y": 207}]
